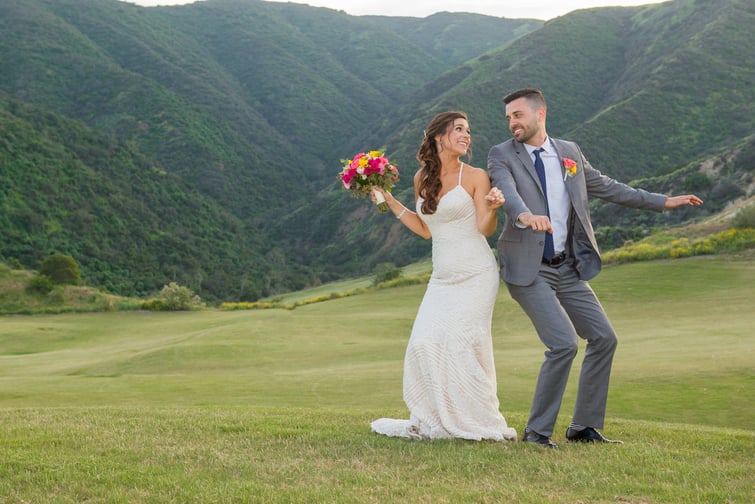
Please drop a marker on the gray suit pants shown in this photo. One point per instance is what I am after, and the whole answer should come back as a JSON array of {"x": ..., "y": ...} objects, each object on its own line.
[{"x": 562, "y": 307}]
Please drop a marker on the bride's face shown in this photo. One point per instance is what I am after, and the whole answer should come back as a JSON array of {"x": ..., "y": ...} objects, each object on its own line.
[{"x": 457, "y": 138}]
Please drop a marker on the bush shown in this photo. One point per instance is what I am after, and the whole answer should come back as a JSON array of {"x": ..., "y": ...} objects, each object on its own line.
[
  {"x": 61, "y": 269},
  {"x": 173, "y": 297},
  {"x": 725, "y": 242},
  {"x": 56, "y": 296},
  {"x": 745, "y": 218},
  {"x": 39, "y": 284},
  {"x": 696, "y": 182},
  {"x": 154, "y": 304},
  {"x": 732, "y": 240},
  {"x": 14, "y": 263},
  {"x": 385, "y": 272},
  {"x": 403, "y": 281}
]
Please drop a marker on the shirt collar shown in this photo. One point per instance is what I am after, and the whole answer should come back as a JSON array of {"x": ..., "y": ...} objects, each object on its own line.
[{"x": 547, "y": 146}]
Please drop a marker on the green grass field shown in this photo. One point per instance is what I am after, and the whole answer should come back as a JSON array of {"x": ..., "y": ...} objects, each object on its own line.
[{"x": 275, "y": 405}]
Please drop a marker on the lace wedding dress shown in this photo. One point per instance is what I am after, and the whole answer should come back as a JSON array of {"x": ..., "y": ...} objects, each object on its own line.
[{"x": 449, "y": 374}]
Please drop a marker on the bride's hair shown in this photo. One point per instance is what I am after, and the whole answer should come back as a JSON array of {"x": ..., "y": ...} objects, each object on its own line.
[{"x": 429, "y": 160}]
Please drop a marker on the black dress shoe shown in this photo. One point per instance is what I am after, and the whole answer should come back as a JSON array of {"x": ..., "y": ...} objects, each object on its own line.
[
  {"x": 588, "y": 435},
  {"x": 534, "y": 437}
]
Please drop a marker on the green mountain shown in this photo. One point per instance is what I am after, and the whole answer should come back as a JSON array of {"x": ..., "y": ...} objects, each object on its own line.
[
  {"x": 652, "y": 95},
  {"x": 130, "y": 224},
  {"x": 200, "y": 143},
  {"x": 454, "y": 38}
]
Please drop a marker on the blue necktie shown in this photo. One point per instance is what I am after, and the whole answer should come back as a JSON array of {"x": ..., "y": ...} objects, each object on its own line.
[{"x": 548, "y": 251}]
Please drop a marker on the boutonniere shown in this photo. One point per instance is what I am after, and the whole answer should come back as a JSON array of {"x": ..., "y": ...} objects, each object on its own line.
[{"x": 570, "y": 167}]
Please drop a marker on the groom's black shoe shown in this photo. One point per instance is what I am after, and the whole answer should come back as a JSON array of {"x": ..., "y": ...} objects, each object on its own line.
[
  {"x": 588, "y": 435},
  {"x": 534, "y": 437}
]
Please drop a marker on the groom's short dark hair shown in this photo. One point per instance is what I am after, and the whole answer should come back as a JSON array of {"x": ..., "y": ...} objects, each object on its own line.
[{"x": 532, "y": 94}]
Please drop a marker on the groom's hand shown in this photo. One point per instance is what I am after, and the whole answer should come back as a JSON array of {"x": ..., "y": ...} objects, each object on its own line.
[
  {"x": 536, "y": 222},
  {"x": 684, "y": 200}
]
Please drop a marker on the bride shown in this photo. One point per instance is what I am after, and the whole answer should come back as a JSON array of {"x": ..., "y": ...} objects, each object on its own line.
[{"x": 449, "y": 374}]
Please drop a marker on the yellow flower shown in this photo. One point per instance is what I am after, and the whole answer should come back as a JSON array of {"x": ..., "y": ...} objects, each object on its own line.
[{"x": 570, "y": 166}]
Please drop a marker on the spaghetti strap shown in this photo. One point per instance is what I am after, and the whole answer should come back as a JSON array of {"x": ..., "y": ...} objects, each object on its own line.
[{"x": 460, "y": 169}]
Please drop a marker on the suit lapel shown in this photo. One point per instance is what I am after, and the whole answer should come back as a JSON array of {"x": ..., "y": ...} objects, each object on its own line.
[
  {"x": 577, "y": 196},
  {"x": 562, "y": 152},
  {"x": 526, "y": 160}
]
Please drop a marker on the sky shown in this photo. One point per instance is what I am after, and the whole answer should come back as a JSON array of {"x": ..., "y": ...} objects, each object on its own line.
[{"x": 513, "y": 9}]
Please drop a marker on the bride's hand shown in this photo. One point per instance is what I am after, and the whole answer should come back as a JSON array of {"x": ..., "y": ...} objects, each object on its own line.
[
  {"x": 386, "y": 194},
  {"x": 495, "y": 198}
]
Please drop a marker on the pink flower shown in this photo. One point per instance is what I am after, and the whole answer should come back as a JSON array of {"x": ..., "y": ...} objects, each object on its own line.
[
  {"x": 347, "y": 176},
  {"x": 355, "y": 163},
  {"x": 378, "y": 165},
  {"x": 570, "y": 167}
]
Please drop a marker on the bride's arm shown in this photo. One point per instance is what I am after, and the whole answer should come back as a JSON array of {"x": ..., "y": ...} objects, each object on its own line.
[
  {"x": 407, "y": 217},
  {"x": 487, "y": 200}
]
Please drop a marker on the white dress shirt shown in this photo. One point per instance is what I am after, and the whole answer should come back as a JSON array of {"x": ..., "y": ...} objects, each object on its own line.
[{"x": 559, "y": 204}]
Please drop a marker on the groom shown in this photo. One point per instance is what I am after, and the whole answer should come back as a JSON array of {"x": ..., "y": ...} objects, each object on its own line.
[{"x": 548, "y": 252}]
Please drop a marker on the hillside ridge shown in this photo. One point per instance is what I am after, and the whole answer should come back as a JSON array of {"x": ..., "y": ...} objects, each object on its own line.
[{"x": 200, "y": 143}]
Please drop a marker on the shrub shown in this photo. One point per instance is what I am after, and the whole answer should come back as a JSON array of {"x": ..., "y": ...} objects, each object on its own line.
[
  {"x": 61, "y": 269},
  {"x": 14, "y": 263},
  {"x": 732, "y": 240},
  {"x": 173, "y": 297},
  {"x": 725, "y": 242},
  {"x": 39, "y": 284},
  {"x": 154, "y": 304},
  {"x": 403, "y": 281},
  {"x": 696, "y": 182},
  {"x": 745, "y": 218},
  {"x": 57, "y": 295},
  {"x": 385, "y": 272}
]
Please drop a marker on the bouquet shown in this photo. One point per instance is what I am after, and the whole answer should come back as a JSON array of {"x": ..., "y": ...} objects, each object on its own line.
[{"x": 367, "y": 170}]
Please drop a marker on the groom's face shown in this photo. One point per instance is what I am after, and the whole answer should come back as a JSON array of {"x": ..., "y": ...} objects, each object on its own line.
[{"x": 524, "y": 120}]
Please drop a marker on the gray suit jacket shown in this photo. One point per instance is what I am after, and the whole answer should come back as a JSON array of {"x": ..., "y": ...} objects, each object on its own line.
[{"x": 520, "y": 250}]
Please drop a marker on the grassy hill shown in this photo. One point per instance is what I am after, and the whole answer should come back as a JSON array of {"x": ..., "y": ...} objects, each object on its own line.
[
  {"x": 626, "y": 83},
  {"x": 731, "y": 231},
  {"x": 235, "y": 110},
  {"x": 455, "y": 38},
  {"x": 631, "y": 85},
  {"x": 131, "y": 225},
  {"x": 275, "y": 405},
  {"x": 200, "y": 143}
]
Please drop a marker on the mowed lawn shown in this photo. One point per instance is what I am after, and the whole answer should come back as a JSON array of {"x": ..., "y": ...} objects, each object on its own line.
[{"x": 275, "y": 405}]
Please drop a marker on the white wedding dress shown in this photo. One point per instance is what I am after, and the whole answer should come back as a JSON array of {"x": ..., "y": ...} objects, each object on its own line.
[{"x": 449, "y": 374}]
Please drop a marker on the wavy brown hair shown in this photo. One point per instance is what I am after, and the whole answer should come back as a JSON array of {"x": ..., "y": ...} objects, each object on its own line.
[{"x": 429, "y": 159}]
